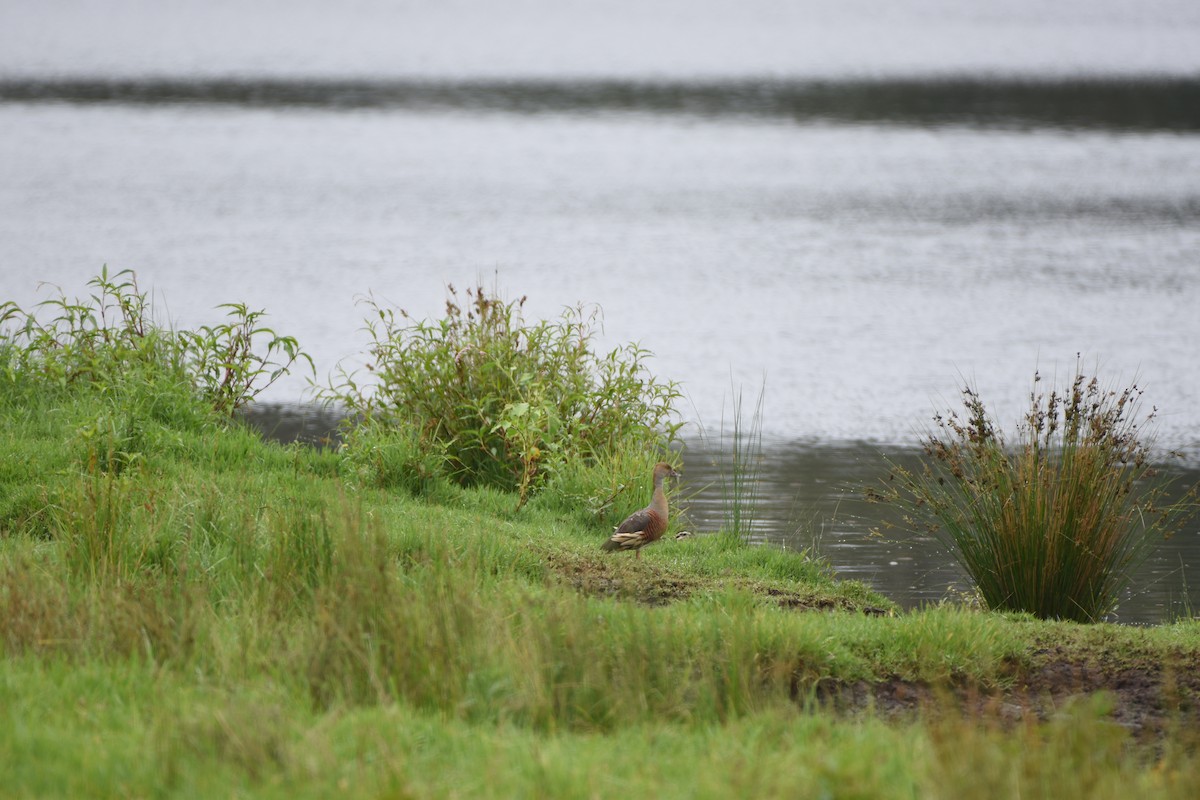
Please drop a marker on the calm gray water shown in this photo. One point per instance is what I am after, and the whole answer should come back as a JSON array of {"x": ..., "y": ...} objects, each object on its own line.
[
  {"x": 862, "y": 269},
  {"x": 861, "y": 206}
]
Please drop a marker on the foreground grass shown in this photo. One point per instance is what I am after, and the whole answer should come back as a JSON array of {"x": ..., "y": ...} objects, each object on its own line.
[
  {"x": 133, "y": 730},
  {"x": 187, "y": 611}
]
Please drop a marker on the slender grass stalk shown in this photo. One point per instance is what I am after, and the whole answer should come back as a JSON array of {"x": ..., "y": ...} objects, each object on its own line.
[{"x": 740, "y": 464}]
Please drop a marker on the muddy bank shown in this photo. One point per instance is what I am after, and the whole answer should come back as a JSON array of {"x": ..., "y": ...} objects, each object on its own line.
[
  {"x": 1149, "y": 692},
  {"x": 1148, "y": 699}
]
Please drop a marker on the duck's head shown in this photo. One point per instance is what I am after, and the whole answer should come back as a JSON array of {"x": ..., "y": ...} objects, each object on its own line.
[{"x": 664, "y": 470}]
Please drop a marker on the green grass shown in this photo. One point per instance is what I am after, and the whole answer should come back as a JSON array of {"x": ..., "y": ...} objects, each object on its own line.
[{"x": 135, "y": 731}]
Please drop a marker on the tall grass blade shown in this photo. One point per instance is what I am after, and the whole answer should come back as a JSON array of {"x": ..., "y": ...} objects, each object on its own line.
[{"x": 739, "y": 462}]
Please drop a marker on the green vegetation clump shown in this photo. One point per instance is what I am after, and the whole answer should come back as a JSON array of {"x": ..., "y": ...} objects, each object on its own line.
[
  {"x": 111, "y": 343},
  {"x": 1054, "y": 523},
  {"x": 486, "y": 399}
]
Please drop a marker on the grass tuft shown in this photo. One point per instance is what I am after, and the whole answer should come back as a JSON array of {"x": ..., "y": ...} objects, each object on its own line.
[
  {"x": 1053, "y": 524},
  {"x": 738, "y": 462}
]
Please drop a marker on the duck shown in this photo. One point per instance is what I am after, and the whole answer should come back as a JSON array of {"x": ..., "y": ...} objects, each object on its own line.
[{"x": 648, "y": 525}]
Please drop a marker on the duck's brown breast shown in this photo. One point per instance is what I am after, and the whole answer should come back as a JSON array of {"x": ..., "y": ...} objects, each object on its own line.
[{"x": 656, "y": 525}]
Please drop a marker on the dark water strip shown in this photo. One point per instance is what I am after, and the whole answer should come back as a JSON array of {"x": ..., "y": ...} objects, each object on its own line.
[{"x": 1132, "y": 104}]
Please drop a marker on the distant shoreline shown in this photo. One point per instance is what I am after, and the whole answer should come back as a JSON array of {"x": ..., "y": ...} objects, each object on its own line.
[{"x": 1141, "y": 103}]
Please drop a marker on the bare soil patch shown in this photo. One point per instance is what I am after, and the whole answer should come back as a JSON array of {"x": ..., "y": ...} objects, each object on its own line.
[
  {"x": 1148, "y": 697},
  {"x": 627, "y": 578}
]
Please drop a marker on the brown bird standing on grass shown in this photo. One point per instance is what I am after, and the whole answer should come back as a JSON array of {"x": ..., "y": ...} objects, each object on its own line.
[{"x": 643, "y": 527}]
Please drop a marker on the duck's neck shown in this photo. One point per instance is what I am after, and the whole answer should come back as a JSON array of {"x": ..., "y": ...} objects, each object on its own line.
[{"x": 658, "y": 503}]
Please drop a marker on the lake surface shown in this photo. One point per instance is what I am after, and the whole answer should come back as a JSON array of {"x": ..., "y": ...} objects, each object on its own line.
[{"x": 860, "y": 208}]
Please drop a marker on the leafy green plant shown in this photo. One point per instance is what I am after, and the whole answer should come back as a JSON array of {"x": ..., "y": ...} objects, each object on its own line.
[
  {"x": 111, "y": 343},
  {"x": 503, "y": 402},
  {"x": 1053, "y": 524},
  {"x": 95, "y": 341},
  {"x": 224, "y": 363}
]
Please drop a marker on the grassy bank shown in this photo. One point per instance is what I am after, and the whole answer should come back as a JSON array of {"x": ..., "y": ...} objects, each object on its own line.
[{"x": 186, "y": 610}]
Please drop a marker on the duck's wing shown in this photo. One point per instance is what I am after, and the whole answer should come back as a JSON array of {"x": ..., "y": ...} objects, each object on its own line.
[{"x": 637, "y": 521}]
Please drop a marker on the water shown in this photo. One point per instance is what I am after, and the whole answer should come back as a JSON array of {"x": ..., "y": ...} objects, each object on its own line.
[
  {"x": 861, "y": 207},
  {"x": 861, "y": 268}
]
